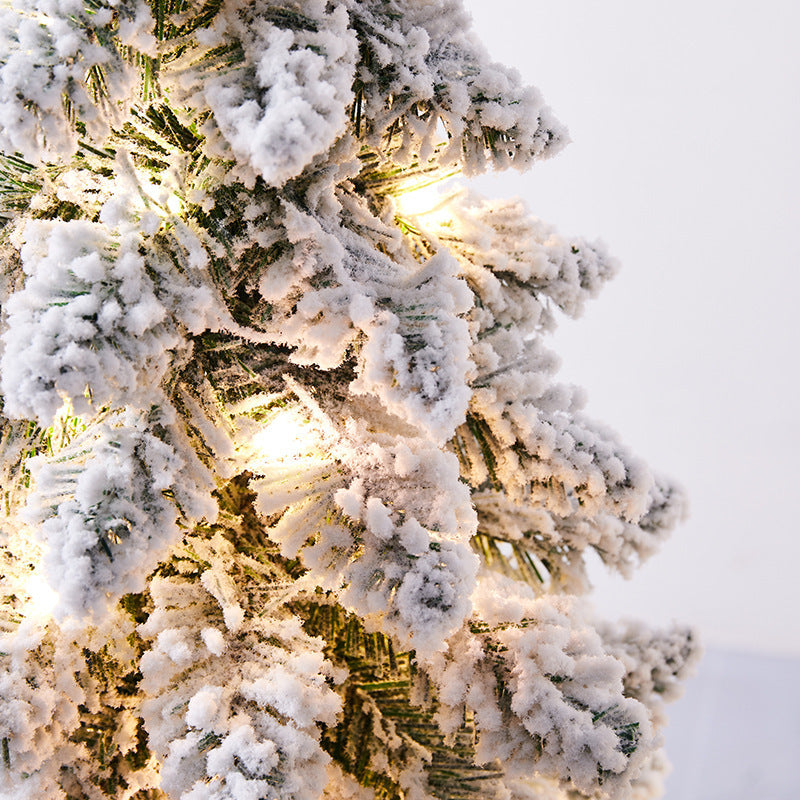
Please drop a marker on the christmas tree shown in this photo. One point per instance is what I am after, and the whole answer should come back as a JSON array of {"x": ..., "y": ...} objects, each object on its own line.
[{"x": 293, "y": 506}]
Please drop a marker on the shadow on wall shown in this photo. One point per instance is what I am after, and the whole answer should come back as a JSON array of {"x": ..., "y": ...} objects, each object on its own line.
[{"x": 735, "y": 735}]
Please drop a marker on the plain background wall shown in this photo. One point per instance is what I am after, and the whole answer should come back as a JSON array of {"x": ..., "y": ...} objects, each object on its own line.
[
  {"x": 685, "y": 120},
  {"x": 685, "y": 123}
]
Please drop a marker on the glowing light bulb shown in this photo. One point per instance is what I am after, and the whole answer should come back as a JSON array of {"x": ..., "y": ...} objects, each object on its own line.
[
  {"x": 288, "y": 436},
  {"x": 417, "y": 202},
  {"x": 175, "y": 204},
  {"x": 431, "y": 202},
  {"x": 42, "y": 599}
]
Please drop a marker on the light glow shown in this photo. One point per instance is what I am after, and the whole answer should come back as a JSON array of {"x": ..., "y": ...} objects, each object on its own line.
[
  {"x": 288, "y": 436},
  {"x": 42, "y": 599},
  {"x": 429, "y": 207},
  {"x": 175, "y": 204},
  {"x": 427, "y": 199}
]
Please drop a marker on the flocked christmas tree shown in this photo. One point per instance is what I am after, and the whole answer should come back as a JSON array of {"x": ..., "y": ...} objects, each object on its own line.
[{"x": 292, "y": 505}]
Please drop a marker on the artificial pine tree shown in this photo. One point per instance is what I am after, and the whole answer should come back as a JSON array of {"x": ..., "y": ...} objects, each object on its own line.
[{"x": 292, "y": 505}]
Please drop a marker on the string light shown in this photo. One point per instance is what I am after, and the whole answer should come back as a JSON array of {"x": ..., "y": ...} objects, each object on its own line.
[
  {"x": 175, "y": 204},
  {"x": 42, "y": 599},
  {"x": 431, "y": 203},
  {"x": 287, "y": 436}
]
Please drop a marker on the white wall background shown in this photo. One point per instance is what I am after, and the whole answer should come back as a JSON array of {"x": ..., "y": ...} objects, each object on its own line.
[
  {"x": 685, "y": 120},
  {"x": 685, "y": 159}
]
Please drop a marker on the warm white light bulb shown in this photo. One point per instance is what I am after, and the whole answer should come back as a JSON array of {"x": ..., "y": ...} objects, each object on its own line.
[
  {"x": 41, "y": 601},
  {"x": 287, "y": 436},
  {"x": 175, "y": 204},
  {"x": 418, "y": 202}
]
